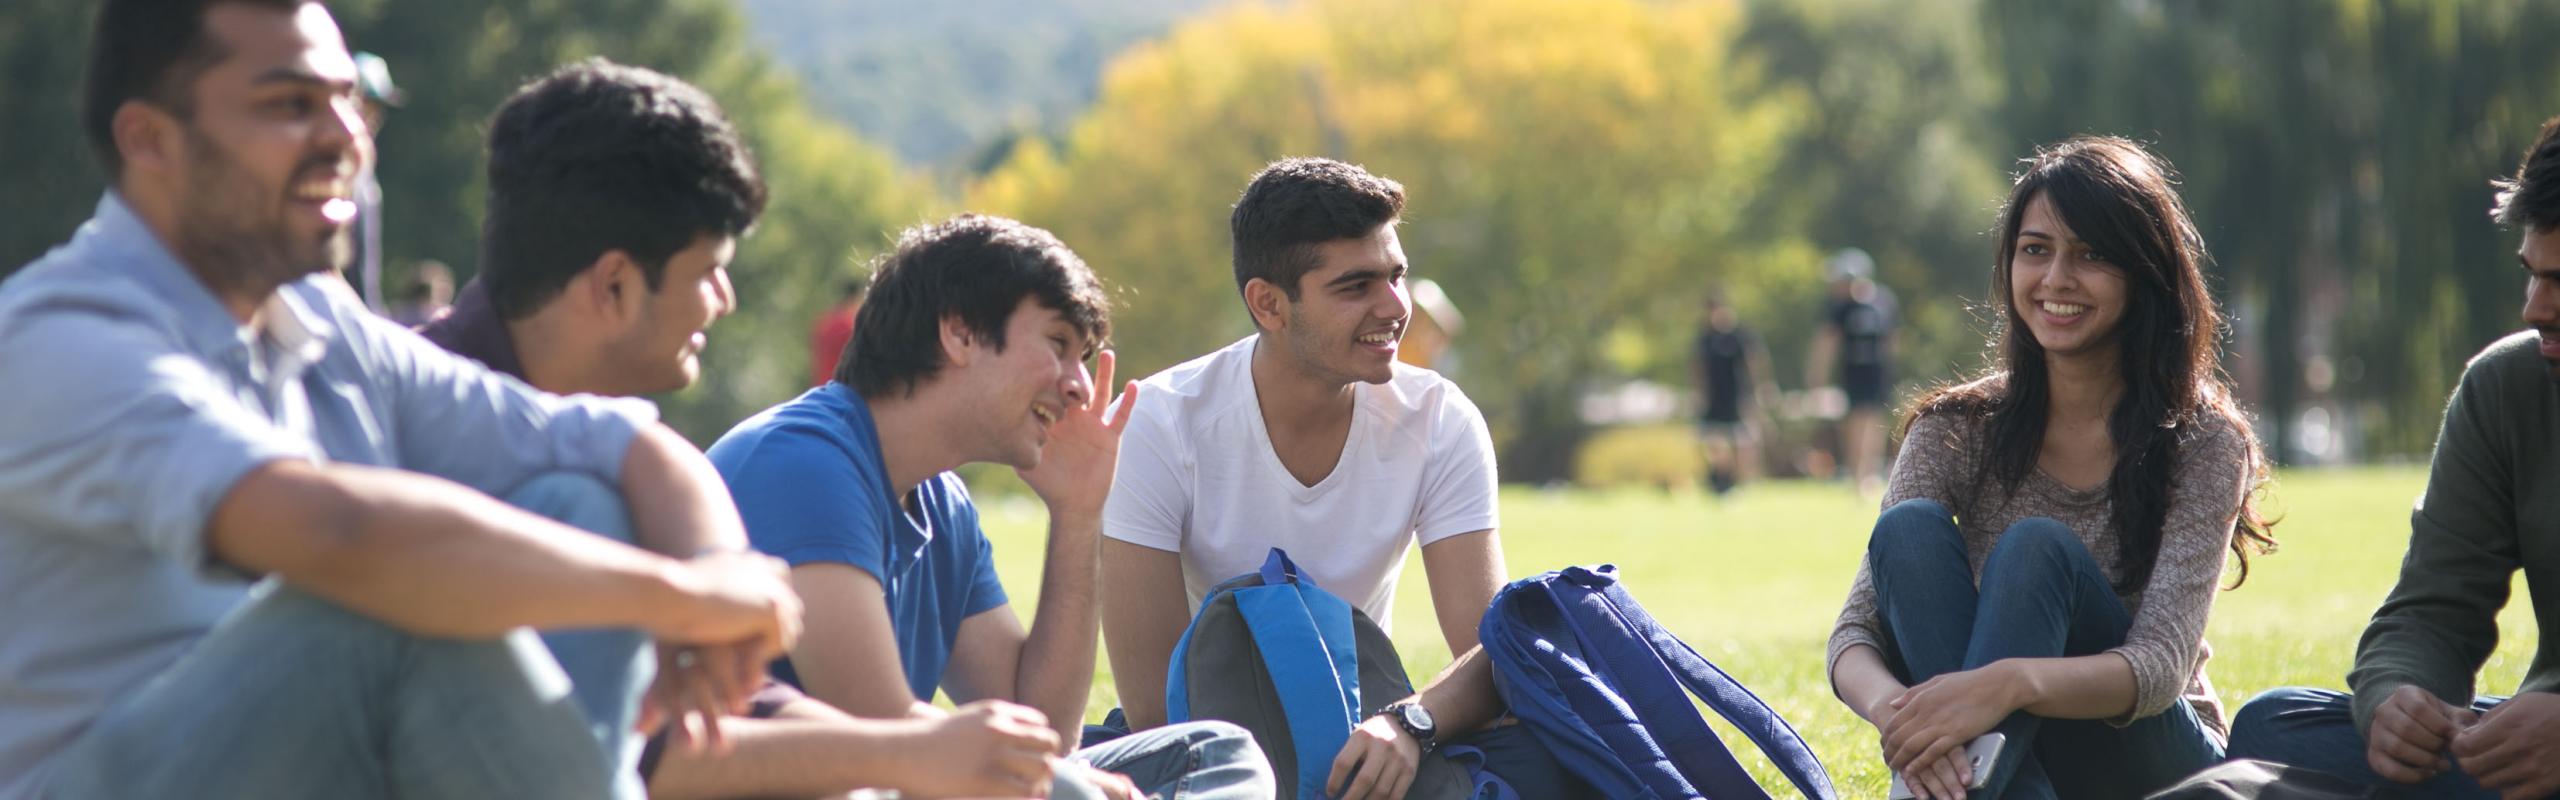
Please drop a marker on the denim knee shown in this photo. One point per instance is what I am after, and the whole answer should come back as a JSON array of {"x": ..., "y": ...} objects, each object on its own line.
[
  {"x": 1914, "y": 526},
  {"x": 1205, "y": 732},
  {"x": 576, "y": 499},
  {"x": 2258, "y": 724},
  {"x": 2038, "y": 542}
]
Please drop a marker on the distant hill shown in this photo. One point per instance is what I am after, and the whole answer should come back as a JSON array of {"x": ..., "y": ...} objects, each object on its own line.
[{"x": 940, "y": 81}]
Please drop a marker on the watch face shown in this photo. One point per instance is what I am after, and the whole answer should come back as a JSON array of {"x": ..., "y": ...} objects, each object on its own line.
[{"x": 1417, "y": 718}]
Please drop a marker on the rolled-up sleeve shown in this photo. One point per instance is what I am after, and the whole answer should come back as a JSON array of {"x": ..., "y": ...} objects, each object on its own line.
[
  {"x": 456, "y": 419},
  {"x": 113, "y": 431}
]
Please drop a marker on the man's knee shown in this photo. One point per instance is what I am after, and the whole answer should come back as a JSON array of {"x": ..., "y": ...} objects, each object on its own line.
[
  {"x": 1213, "y": 733},
  {"x": 2264, "y": 727},
  {"x": 576, "y": 499}
]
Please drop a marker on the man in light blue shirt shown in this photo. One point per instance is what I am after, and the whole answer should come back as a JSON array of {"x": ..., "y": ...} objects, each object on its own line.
[{"x": 193, "y": 405}]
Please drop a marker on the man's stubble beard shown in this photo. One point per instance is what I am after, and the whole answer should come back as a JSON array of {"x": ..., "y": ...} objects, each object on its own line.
[{"x": 230, "y": 234}]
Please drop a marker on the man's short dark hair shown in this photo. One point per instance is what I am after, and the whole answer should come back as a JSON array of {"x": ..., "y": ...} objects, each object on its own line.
[
  {"x": 152, "y": 51},
  {"x": 2532, "y": 198},
  {"x": 1298, "y": 203},
  {"x": 598, "y": 156},
  {"x": 973, "y": 267}
]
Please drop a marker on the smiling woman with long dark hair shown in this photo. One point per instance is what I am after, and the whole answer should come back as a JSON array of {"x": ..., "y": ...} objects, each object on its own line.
[{"x": 2054, "y": 532}]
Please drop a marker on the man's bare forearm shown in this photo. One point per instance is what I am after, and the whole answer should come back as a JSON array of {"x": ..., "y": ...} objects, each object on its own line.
[
  {"x": 679, "y": 506},
  {"x": 1144, "y": 612},
  {"x": 1055, "y": 673},
  {"x": 434, "y": 557},
  {"x": 792, "y": 757},
  {"x": 1462, "y": 698}
]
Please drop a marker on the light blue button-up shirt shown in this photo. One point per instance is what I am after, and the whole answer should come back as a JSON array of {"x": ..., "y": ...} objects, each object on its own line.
[{"x": 131, "y": 401}]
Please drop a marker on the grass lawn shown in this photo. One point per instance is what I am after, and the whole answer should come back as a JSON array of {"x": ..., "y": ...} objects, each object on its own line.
[{"x": 1754, "y": 582}]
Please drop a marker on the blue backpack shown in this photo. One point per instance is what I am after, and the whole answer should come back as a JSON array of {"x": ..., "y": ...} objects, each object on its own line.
[
  {"x": 1604, "y": 687},
  {"x": 1295, "y": 665}
]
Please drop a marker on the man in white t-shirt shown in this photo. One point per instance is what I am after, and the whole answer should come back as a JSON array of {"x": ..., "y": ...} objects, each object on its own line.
[{"x": 1309, "y": 436}]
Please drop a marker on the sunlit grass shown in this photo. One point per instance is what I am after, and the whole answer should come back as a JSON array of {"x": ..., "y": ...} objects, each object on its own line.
[{"x": 1753, "y": 582}]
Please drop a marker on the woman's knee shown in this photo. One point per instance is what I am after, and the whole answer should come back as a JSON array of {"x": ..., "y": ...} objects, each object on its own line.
[
  {"x": 1914, "y": 526},
  {"x": 2038, "y": 541}
]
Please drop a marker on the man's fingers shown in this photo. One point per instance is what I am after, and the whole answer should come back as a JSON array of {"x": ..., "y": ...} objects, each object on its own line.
[
  {"x": 1028, "y": 768},
  {"x": 703, "y": 701},
  {"x": 1128, "y": 403},
  {"x": 2500, "y": 764},
  {"x": 658, "y": 702},
  {"x": 2545, "y": 785},
  {"x": 2383, "y": 754},
  {"x": 718, "y": 670},
  {"x": 1103, "y": 366},
  {"x": 2410, "y": 744},
  {"x": 1365, "y": 782},
  {"x": 1344, "y": 763}
]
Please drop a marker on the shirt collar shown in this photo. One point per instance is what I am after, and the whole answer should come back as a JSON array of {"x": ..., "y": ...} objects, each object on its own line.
[
  {"x": 475, "y": 330},
  {"x": 289, "y": 317}
]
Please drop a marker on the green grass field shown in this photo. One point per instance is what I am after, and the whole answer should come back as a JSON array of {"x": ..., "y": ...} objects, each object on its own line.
[{"x": 1754, "y": 582}]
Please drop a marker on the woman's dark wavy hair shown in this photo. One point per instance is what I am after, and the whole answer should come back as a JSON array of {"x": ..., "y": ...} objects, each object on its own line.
[{"x": 2121, "y": 200}]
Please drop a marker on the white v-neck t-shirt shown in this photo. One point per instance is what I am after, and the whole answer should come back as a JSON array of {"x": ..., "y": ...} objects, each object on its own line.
[{"x": 1198, "y": 476}]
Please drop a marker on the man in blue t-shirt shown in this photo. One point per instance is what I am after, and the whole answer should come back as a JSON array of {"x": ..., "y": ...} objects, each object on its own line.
[{"x": 970, "y": 348}]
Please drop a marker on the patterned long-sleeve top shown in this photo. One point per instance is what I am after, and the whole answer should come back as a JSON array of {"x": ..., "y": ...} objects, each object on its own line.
[{"x": 2166, "y": 648}]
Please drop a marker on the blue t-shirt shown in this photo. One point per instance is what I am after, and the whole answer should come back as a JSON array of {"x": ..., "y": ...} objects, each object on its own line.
[{"x": 811, "y": 482}]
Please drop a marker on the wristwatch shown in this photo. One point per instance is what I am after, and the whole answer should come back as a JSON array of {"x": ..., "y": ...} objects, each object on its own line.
[{"x": 1414, "y": 719}]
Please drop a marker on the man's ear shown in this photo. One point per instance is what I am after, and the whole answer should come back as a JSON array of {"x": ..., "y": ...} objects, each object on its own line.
[
  {"x": 613, "y": 288},
  {"x": 1267, "y": 303},
  {"x": 147, "y": 137},
  {"x": 959, "y": 345}
]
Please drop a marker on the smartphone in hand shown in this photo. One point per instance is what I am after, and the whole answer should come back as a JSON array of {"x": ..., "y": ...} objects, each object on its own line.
[{"x": 1980, "y": 754}]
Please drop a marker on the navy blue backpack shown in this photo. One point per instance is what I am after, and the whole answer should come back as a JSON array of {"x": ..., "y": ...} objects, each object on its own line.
[{"x": 1606, "y": 688}]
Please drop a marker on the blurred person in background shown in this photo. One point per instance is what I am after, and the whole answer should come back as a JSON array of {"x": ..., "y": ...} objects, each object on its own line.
[
  {"x": 373, "y": 82},
  {"x": 424, "y": 297},
  {"x": 1857, "y": 338},
  {"x": 1731, "y": 370},
  {"x": 1435, "y": 322},
  {"x": 828, "y": 335}
]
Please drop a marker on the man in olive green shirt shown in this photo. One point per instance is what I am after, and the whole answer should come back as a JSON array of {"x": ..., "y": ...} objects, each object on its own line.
[{"x": 2492, "y": 506}]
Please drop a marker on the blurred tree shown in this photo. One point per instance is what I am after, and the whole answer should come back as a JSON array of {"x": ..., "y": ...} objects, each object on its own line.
[
  {"x": 1891, "y": 158},
  {"x": 48, "y": 181},
  {"x": 2336, "y": 153},
  {"x": 938, "y": 81},
  {"x": 835, "y": 198},
  {"x": 1569, "y": 167}
]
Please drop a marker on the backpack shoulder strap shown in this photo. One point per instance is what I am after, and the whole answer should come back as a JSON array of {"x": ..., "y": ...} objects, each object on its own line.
[
  {"x": 1523, "y": 637},
  {"x": 1644, "y": 660},
  {"x": 1305, "y": 639}
]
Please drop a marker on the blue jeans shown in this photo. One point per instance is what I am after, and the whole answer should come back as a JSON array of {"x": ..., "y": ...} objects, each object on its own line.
[
  {"x": 2316, "y": 729},
  {"x": 1186, "y": 761},
  {"x": 292, "y": 696},
  {"x": 2041, "y": 596}
]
